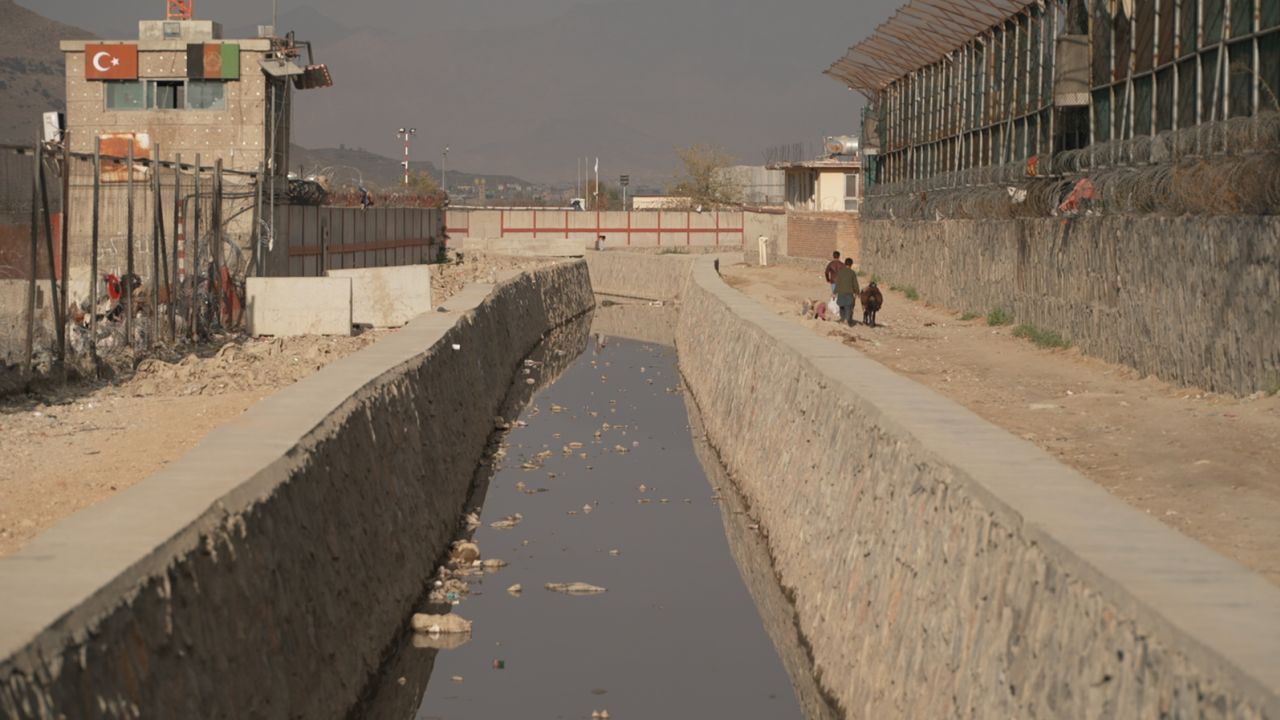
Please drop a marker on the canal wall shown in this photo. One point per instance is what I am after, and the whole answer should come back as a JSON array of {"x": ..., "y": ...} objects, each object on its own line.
[
  {"x": 941, "y": 567},
  {"x": 265, "y": 573},
  {"x": 1191, "y": 300}
]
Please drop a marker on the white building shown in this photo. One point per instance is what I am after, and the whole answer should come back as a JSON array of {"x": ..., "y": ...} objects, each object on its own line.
[{"x": 830, "y": 185}]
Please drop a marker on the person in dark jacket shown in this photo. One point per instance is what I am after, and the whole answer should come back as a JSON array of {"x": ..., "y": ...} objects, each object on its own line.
[
  {"x": 833, "y": 268},
  {"x": 846, "y": 288}
]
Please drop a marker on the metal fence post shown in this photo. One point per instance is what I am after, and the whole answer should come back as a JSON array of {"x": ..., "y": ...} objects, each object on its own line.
[
  {"x": 157, "y": 229},
  {"x": 93, "y": 253},
  {"x": 127, "y": 285},
  {"x": 174, "y": 288},
  {"x": 66, "y": 242},
  {"x": 59, "y": 328},
  {"x": 195, "y": 249},
  {"x": 216, "y": 283},
  {"x": 259, "y": 253},
  {"x": 28, "y": 348}
]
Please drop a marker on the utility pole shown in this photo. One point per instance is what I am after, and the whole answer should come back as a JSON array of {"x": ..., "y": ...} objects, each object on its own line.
[
  {"x": 444, "y": 172},
  {"x": 407, "y": 136}
]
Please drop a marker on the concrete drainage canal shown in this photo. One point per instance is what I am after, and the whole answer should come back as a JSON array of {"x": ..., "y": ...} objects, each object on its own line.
[{"x": 605, "y": 567}]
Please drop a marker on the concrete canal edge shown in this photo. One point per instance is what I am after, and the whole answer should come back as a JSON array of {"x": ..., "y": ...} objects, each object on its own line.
[
  {"x": 232, "y": 583},
  {"x": 941, "y": 567}
]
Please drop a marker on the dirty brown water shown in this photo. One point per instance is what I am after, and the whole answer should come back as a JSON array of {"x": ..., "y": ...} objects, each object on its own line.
[{"x": 693, "y": 624}]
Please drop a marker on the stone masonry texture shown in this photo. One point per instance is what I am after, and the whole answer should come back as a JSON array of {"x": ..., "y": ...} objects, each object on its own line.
[
  {"x": 1194, "y": 301},
  {"x": 280, "y": 599},
  {"x": 921, "y": 590},
  {"x": 939, "y": 567}
]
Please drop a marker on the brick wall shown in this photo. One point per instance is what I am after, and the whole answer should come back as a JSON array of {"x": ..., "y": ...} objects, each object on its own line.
[{"x": 815, "y": 235}]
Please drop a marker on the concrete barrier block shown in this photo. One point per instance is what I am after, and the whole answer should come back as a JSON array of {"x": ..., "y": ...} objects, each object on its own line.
[
  {"x": 298, "y": 306},
  {"x": 388, "y": 296}
]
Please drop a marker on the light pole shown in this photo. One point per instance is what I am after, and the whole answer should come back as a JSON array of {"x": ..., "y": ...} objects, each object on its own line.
[
  {"x": 406, "y": 134},
  {"x": 444, "y": 172}
]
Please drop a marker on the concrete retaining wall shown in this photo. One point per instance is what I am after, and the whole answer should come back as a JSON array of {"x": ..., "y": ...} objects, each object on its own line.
[
  {"x": 941, "y": 567},
  {"x": 1191, "y": 300},
  {"x": 264, "y": 573},
  {"x": 636, "y": 275}
]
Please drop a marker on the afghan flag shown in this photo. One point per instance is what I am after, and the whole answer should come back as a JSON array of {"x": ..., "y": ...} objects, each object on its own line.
[{"x": 213, "y": 61}]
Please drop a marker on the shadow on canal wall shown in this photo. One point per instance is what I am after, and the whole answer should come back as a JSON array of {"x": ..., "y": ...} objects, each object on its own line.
[
  {"x": 940, "y": 567},
  {"x": 265, "y": 573}
]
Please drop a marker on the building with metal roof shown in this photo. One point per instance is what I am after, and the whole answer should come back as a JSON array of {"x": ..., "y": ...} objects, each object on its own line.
[{"x": 1002, "y": 93}]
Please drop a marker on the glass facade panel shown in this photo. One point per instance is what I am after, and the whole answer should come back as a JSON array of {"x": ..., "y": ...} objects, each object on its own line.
[
  {"x": 206, "y": 95},
  {"x": 125, "y": 95}
]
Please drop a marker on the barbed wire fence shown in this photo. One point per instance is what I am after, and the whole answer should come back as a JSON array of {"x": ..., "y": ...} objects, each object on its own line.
[
  {"x": 106, "y": 258},
  {"x": 1220, "y": 168}
]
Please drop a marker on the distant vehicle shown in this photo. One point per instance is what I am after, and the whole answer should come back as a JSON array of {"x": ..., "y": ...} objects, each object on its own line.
[{"x": 578, "y": 204}]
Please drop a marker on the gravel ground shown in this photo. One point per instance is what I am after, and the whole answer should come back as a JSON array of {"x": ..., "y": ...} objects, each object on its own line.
[{"x": 69, "y": 446}]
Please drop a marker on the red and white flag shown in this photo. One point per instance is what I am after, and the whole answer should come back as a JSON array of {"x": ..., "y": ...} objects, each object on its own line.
[{"x": 110, "y": 62}]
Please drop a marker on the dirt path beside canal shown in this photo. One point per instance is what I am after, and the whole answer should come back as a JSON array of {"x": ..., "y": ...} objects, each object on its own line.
[
  {"x": 66, "y": 448},
  {"x": 1207, "y": 465}
]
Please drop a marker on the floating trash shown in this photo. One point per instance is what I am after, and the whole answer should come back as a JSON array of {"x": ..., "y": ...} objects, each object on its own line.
[
  {"x": 440, "y": 624},
  {"x": 575, "y": 588},
  {"x": 507, "y": 522}
]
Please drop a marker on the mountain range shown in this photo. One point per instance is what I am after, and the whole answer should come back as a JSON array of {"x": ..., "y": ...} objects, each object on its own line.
[{"x": 32, "y": 80}]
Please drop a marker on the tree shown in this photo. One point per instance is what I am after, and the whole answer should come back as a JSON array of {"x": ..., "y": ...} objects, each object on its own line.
[
  {"x": 423, "y": 183},
  {"x": 704, "y": 181},
  {"x": 610, "y": 197}
]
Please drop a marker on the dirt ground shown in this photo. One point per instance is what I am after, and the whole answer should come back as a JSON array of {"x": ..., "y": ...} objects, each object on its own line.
[
  {"x": 1207, "y": 465},
  {"x": 69, "y": 447}
]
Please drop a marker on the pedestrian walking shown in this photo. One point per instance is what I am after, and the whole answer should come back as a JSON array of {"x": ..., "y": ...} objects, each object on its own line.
[
  {"x": 846, "y": 289},
  {"x": 833, "y": 268}
]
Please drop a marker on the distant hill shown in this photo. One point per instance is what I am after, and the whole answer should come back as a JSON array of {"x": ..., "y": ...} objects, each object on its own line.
[
  {"x": 32, "y": 75},
  {"x": 378, "y": 171}
]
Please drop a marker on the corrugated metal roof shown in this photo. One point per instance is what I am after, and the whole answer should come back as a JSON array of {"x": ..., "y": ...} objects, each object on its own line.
[{"x": 919, "y": 34}]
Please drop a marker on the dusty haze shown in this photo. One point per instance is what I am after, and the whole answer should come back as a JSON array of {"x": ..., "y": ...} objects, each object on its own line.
[{"x": 525, "y": 86}]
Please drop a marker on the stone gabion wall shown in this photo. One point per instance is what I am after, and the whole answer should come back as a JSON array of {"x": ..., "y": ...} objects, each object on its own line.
[{"x": 1195, "y": 301}]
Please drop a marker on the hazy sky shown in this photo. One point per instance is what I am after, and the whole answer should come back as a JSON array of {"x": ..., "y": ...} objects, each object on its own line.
[{"x": 526, "y": 86}]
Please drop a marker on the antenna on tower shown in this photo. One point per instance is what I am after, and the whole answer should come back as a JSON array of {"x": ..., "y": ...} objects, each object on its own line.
[{"x": 179, "y": 9}]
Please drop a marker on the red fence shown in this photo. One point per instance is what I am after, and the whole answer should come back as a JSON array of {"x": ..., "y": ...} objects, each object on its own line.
[{"x": 636, "y": 228}]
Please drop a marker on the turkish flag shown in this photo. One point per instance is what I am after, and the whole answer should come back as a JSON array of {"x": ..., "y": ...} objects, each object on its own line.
[{"x": 110, "y": 62}]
